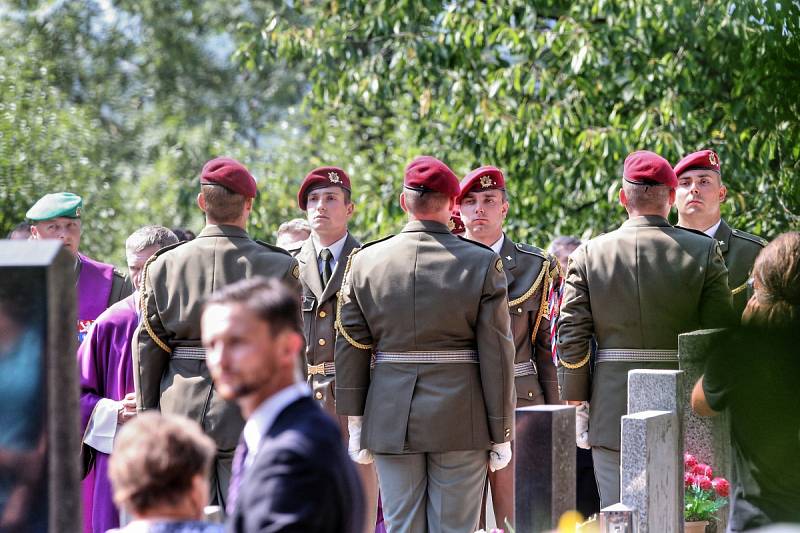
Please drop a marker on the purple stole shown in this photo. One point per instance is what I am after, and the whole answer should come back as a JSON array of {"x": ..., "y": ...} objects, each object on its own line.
[{"x": 94, "y": 288}]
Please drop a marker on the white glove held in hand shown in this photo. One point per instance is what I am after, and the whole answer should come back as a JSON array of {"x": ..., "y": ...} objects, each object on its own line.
[
  {"x": 357, "y": 454},
  {"x": 582, "y": 425},
  {"x": 499, "y": 456}
]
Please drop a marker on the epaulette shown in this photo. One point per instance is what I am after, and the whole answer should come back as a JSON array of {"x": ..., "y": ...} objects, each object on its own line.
[
  {"x": 749, "y": 237},
  {"x": 119, "y": 273},
  {"x": 273, "y": 247},
  {"x": 474, "y": 242},
  {"x": 167, "y": 248},
  {"x": 530, "y": 249},
  {"x": 698, "y": 232},
  {"x": 370, "y": 243},
  {"x": 143, "y": 302}
]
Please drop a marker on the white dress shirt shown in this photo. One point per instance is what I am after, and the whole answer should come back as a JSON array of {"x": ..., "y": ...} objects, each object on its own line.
[
  {"x": 335, "y": 248},
  {"x": 498, "y": 244},
  {"x": 713, "y": 229}
]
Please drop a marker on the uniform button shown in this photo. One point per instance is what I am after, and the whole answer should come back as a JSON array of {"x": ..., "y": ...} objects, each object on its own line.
[
  {"x": 318, "y": 395},
  {"x": 323, "y": 314},
  {"x": 530, "y": 394},
  {"x": 519, "y": 309},
  {"x": 321, "y": 342}
]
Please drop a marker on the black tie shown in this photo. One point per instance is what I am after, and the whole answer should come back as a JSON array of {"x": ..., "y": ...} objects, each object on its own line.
[{"x": 327, "y": 271}]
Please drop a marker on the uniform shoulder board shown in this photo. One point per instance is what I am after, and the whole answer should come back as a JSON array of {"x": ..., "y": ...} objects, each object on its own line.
[
  {"x": 273, "y": 247},
  {"x": 167, "y": 248},
  {"x": 530, "y": 249},
  {"x": 474, "y": 242},
  {"x": 119, "y": 274},
  {"x": 698, "y": 232},
  {"x": 749, "y": 237},
  {"x": 370, "y": 243}
]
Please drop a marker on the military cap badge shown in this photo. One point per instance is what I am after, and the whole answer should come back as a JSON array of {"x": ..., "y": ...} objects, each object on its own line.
[
  {"x": 334, "y": 177},
  {"x": 486, "y": 181},
  {"x": 712, "y": 159}
]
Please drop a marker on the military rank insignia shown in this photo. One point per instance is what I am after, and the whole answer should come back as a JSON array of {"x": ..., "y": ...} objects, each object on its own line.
[
  {"x": 334, "y": 177},
  {"x": 499, "y": 265},
  {"x": 296, "y": 272}
]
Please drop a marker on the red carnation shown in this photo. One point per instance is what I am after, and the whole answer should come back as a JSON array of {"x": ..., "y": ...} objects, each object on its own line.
[
  {"x": 702, "y": 469},
  {"x": 704, "y": 482},
  {"x": 722, "y": 486},
  {"x": 689, "y": 461},
  {"x": 688, "y": 479}
]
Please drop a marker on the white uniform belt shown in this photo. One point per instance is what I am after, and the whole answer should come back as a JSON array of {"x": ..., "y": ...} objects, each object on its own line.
[
  {"x": 635, "y": 356},
  {"x": 528, "y": 368},
  {"x": 444, "y": 356},
  {"x": 189, "y": 352},
  {"x": 323, "y": 369}
]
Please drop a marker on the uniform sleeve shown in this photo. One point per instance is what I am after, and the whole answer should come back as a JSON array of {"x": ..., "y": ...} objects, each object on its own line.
[
  {"x": 719, "y": 379},
  {"x": 575, "y": 331},
  {"x": 496, "y": 352},
  {"x": 548, "y": 378},
  {"x": 149, "y": 359},
  {"x": 353, "y": 350},
  {"x": 292, "y": 277},
  {"x": 716, "y": 304}
]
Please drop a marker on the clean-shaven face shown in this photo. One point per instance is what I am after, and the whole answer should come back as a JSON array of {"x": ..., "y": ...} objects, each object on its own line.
[
  {"x": 68, "y": 230},
  {"x": 699, "y": 194},
  {"x": 483, "y": 213},
  {"x": 327, "y": 212}
]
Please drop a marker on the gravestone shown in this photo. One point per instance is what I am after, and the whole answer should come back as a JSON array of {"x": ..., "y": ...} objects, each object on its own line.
[
  {"x": 545, "y": 466},
  {"x": 39, "y": 420},
  {"x": 650, "y": 481}
]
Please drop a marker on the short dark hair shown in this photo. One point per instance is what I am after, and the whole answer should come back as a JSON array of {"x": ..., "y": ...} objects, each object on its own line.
[
  {"x": 155, "y": 458},
  {"x": 268, "y": 298},
  {"x": 425, "y": 202},
  {"x": 223, "y": 205},
  {"x": 642, "y": 196}
]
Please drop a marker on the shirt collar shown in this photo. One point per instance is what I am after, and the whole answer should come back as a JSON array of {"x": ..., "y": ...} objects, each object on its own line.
[
  {"x": 259, "y": 423},
  {"x": 713, "y": 229},
  {"x": 498, "y": 244},
  {"x": 335, "y": 248}
]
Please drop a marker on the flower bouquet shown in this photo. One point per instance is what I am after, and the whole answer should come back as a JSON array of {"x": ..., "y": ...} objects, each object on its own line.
[{"x": 705, "y": 494}]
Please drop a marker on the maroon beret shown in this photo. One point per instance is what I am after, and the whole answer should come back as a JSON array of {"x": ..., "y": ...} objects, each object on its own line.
[
  {"x": 647, "y": 168},
  {"x": 230, "y": 174},
  {"x": 321, "y": 177},
  {"x": 482, "y": 179},
  {"x": 702, "y": 160},
  {"x": 428, "y": 174}
]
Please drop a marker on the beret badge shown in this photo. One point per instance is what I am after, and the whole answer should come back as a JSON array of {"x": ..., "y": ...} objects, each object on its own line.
[
  {"x": 712, "y": 159},
  {"x": 334, "y": 177},
  {"x": 486, "y": 181}
]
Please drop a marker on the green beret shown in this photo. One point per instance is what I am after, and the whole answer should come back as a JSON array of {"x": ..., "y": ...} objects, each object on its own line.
[{"x": 59, "y": 204}]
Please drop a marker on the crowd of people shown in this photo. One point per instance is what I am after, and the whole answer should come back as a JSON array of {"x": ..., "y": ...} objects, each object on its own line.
[{"x": 324, "y": 384}]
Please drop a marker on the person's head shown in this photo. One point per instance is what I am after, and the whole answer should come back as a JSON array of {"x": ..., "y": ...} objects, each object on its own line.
[
  {"x": 562, "y": 247},
  {"x": 252, "y": 333},
  {"x": 648, "y": 185},
  {"x": 57, "y": 216},
  {"x": 776, "y": 284},
  {"x": 430, "y": 189},
  {"x": 143, "y": 243},
  {"x": 21, "y": 232},
  {"x": 226, "y": 194},
  {"x": 160, "y": 467},
  {"x": 700, "y": 191},
  {"x": 483, "y": 204},
  {"x": 325, "y": 197},
  {"x": 292, "y": 233}
]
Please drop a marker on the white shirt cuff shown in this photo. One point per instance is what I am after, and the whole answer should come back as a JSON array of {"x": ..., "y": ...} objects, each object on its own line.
[{"x": 102, "y": 425}]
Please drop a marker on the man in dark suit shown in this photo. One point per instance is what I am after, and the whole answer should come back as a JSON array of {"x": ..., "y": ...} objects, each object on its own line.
[{"x": 291, "y": 471}]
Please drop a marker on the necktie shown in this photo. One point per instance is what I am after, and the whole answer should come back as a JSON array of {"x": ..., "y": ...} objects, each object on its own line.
[
  {"x": 237, "y": 473},
  {"x": 327, "y": 271}
]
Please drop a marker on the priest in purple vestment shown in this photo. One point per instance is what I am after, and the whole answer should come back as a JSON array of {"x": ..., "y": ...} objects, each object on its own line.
[{"x": 106, "y": 378}]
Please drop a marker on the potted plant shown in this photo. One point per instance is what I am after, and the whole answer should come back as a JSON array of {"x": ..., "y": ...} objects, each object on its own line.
[{"x": 704, "y": 496}]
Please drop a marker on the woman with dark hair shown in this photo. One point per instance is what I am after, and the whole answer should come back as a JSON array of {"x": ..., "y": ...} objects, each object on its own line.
[{"x": 754, "y": 374}]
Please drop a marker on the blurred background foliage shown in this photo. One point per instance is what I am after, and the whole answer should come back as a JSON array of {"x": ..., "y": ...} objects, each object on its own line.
[{"x": 123, "y": 101}]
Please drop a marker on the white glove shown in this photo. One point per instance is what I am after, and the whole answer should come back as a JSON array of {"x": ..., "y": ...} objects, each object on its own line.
[
  {"x": 357, "y": 454},
  {"x": 499, "y": 456},
  {"x": 582, "y": 425}
]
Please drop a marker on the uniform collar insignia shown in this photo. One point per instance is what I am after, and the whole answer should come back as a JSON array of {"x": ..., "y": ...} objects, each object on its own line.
[
  {"x": 334, "y": 177},
  {"x": 508, "y": 258},
  {"x": 486, "y": 181}
]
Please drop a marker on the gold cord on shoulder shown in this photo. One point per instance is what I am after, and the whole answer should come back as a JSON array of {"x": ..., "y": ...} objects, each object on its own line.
[
  {"x": 338, "y": 323},
  {"x": 531, "y": 290},
  {"x": 739, "y": 289},
  {"x": 143, "y": 306},
  {"x": 582, "y": 362}
]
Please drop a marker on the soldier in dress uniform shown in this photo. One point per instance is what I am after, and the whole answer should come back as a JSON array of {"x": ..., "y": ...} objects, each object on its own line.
[
  {"x": 325, "y": 197},
  {"x": 634, "y": 290},
  {"x": 170, "y": 371},
  {"x": 698, "y": 198},
  {"x": 99, "y": 285},
  {"x": 530, "y": 271},
  {"x": 424, "y": 354}
]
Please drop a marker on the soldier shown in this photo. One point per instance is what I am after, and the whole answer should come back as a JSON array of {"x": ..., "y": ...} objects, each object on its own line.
[
  {"x": 634, "y": 289},
  {"x": 99, "y": 285},
  {"x": 292, "y": 234},
  {"x": 325, "y": 197},
  {"x": 530, "y": 272},
  {"x": 429, "y": 311},
  {"x": 170, "y": 371},
  {"x": 698, "y": 198}
]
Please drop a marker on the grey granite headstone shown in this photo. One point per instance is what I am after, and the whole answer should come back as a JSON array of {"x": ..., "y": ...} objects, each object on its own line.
[
  {"x": 37, "y": 295},
  {"x": 545, "y": 466},
  {"x": 650, "y": 481}
]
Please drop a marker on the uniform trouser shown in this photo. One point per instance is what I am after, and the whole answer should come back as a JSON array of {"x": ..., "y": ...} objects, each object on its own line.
[
  {"x": 432, "y": 492},
  {"x": 606, "y": 471},
  {"x": 369, "y": 483}
]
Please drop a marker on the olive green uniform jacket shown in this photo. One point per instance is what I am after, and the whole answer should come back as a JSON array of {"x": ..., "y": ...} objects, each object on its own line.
[
  {"x": 739, "y": 249},
  {"x": 426, "y": 290},
  {"x": 636, "y": 288},
  {"x": 174, "y": 283},
  {"x": 530, "y": 272},
  {"x": 319, "y": 315}
]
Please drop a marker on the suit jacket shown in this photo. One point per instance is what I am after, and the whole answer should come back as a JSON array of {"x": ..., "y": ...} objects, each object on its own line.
[
  {"x": 301, "y": 479},
  {"x": 174, "y": 283},
  {"x": 426, "y": 290},
  {"x": 739, "y": 249},
  {"x": 319, "y": 315},
  {"x": 530, "y": 272},
  {"x": 637, "y": 287}
]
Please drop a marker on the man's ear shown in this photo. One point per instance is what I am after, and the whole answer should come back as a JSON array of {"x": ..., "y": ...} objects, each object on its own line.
[
  {"x": 671, "y": 198},
  {"x": 201, "y": 201},
  {"x": 34, "y": 232},
  {"x": 403, "y": 202},
  {"x": 623, "y": 199},
  {"x": 723, "y": 193}
]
